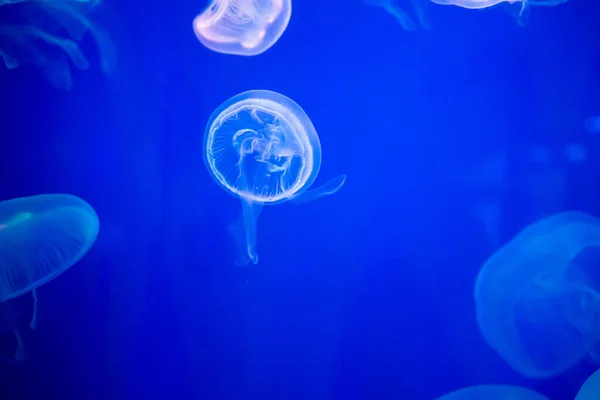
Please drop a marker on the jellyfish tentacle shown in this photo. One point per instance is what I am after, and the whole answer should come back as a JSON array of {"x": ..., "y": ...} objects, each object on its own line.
[
  {"x": 326, "y": 189},
  {"x": 20, "y": 352},
  {"x": 9, "y": 61},
  {"x": 405, "y": 21},
  {"x": 250, "y": 212},
  {"x": 33, "y": 323},
  {"x": 46, "y": 22}
]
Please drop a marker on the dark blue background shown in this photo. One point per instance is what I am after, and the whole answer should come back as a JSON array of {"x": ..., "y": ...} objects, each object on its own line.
[{"x": 366, "y": 294}]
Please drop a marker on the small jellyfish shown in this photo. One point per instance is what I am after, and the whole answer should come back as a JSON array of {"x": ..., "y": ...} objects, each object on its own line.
[
  {"x": 590, "y": 388},
  {"x": 261, "y": 147},
  {"x": 394, "y": 9},
  {"x": 242, "y": 27},
  {"x": 41, "y": 237},
  {"x": 47, "y": 33},
  {"x": 480, "y": 4},
  {"x": 536, "y": 303},
  {"x": 493, "y": 392}
]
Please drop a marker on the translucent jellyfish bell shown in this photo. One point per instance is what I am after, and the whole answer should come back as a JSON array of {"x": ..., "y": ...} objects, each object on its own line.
[
  {"x": 242, "y": 27},
  {"x": 493, "y": 392},
  {"x": 41, "y": 237},
  {"x": 537, "y": 305},
  {"x": 261, "y": 147},
  {"x": 590, "y": 388}
]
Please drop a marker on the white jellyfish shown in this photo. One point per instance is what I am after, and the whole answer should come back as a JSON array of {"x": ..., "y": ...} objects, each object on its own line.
[
  {"x": 261, "y": 147},
  {"x": 242, "y": 27}
]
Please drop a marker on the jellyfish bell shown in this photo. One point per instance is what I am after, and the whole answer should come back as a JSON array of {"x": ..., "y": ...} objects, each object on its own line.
[
  {"x": 590, "y": 388},
  {"x": 261, "y": 147},
  {"x": 242, "y": 27},
  {"x": 41, "y": 237},
  {"x": 536, "y": 303}
]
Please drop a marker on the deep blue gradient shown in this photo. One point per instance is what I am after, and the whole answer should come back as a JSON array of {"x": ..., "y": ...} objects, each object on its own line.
[{"x": 365, "y": 294}]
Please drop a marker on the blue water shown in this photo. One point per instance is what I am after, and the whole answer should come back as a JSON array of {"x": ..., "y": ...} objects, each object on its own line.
[{"x": 365, "y": 294}]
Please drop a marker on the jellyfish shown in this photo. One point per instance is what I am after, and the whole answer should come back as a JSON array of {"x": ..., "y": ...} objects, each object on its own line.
[
  {"x": 261, "y": 147},
  {"x": 46, "y": 34},
  {"x": 524, "y": 6},
  {"x": 242, "y": 27},
  {"x": 590, "y": 388},
  {"x": 394, "y": 9},
  {"x": 537, "y": 304},
  {"x": 41, "y": 237},
  {"x": 493, "y": 392}
]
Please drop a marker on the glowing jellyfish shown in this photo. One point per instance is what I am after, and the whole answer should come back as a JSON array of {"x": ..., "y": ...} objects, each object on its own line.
[
  {"x": 590, "y": 388},
  {"x": 261, "y": 147},
  {"x": 40, "y": 237},
  {"x": 493, "y": 392},
  {"x": 242, "y": 27},
  {"x": 394, "y": 9},
  {"x": 537, "y": 304},
  {"x": 46, "y": 34}
]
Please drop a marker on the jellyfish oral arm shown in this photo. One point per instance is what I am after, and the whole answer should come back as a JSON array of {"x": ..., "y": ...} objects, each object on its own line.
[
  {"x": 326, "y": 189},
  {"x": 250, "y": 213}
]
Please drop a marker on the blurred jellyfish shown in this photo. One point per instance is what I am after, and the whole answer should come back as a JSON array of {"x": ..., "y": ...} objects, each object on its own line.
[
  {"x": 242, "y": 27},
  {"x": 591, "y": 388},
  {"x": 46, "y": 33},
  {"x": 41, "y": 237},
  {"x": 394, "y": 9},
  {"x": 261, "y": 147},
  {"x": 523, "y": 14},
  {"x": 493, "y": 392},
  {"x": 592, "y": 124},
  {"x": 486, "y": 181},
  {"x": 536, "y": 304}
]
